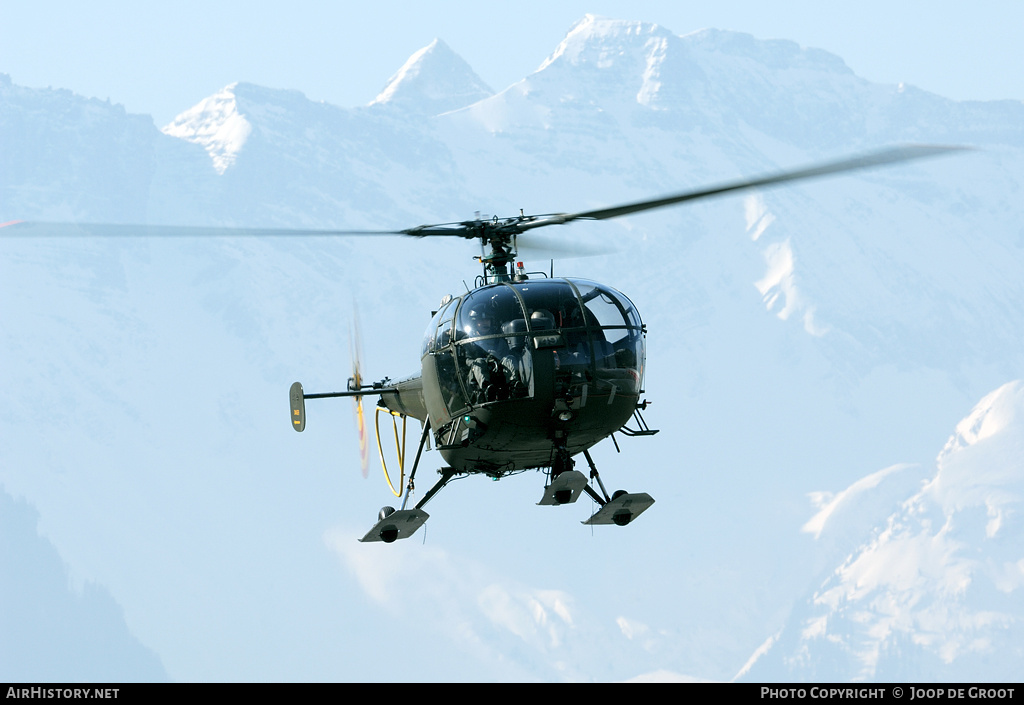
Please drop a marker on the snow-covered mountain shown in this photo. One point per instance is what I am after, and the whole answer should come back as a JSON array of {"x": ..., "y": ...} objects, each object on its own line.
[
  {"x": 70, "y": 158},
  {"x": 929, "y": 591},
  {"x": 801, "y": 340},
  {"x": 433, "y": 81}
]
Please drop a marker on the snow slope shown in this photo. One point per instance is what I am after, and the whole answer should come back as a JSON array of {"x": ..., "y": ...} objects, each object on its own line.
[{"x": 930, "y": 591}]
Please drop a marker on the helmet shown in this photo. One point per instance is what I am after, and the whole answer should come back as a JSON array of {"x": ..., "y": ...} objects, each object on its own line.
[
  {"x": 479, "y": 322},
  {"x": 516, "y": 332}
]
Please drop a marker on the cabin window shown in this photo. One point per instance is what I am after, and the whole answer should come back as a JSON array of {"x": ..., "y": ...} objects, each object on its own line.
[
  {"x": 491, "y": 334},
  {"x": 433, "y": 338},
  {"x": 486, "y": 343},
  {"x": 616, "y": 336}
]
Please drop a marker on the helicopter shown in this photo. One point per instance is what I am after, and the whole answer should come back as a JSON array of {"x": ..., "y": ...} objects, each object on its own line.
[
  {"x": 524, "y": 371},
  {"x": 529, "y": 372}
]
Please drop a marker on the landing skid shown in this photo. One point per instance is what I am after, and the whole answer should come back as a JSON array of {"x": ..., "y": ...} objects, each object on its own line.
[
  {"x": 621, "y": 510},
  {"x": 564, "y": 489},
  {"x": 399, "y": 524}
]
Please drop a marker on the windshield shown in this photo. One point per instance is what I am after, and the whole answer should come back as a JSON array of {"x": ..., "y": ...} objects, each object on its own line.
[{"x": 486, "y": 344}]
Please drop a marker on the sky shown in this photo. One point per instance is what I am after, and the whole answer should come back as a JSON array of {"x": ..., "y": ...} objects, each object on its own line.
[{"x": 162, "y": 58}]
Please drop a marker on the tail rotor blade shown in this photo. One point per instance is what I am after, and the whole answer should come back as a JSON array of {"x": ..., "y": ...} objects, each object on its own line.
[
  {"x": 364, "y": 446},
  {"x": 355, "y": 383}
]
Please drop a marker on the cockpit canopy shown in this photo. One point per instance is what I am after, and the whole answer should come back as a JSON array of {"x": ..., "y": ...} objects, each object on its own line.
[{"x": 483, "y": 342}]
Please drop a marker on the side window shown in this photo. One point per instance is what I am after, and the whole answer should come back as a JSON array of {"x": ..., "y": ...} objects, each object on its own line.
[
  {"x": 431, "y": 333},
  {"x": 604, "y": 307},
  {"x": 440, "y": 348},
  {"x": 451, "y": 390},
  {"x": 431, "y": 338},
  {"x": 444, "y": 328},
  {"x": 616, "y": 333},
  {"x": 444, "y": 335}
]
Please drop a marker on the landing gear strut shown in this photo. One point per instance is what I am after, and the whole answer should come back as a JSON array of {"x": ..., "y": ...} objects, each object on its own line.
[
  {"x": 619, "y": 509},
  {"x": 566, "y": 484},
  {"x": 402, "y": 523}
]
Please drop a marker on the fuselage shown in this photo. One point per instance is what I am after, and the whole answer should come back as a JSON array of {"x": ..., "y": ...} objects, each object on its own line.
[{"x": 512, "y": 370}]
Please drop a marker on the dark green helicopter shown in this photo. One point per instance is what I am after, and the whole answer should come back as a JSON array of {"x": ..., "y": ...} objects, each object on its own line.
[{"x": 525, "y": 371}]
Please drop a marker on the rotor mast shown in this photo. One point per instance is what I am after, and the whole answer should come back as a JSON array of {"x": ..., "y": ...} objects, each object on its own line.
[
  {"x": 500, "y": 236},
  {"x": 499, "y": 263}
]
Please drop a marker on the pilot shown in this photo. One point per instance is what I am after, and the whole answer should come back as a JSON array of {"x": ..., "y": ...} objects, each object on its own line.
[
  {"x": 518, "y": 362},
  {"x": 485, "y": 379},
  {"x": 480, "y": 323}
]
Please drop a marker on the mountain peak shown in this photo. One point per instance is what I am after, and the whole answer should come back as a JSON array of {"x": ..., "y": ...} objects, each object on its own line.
[
  {"x": 217, "y": 124},
  {"x": 601, "y": 40},
  {"x": 587, "y": 38},
  {"x": 434, "y": 80}
]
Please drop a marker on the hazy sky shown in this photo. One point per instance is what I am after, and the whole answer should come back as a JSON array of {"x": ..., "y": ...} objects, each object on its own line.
[{"x": 163, "y": 58}]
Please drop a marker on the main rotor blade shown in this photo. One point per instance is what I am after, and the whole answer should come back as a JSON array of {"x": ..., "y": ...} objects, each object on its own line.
[
  {"x": 886, "y": 156},
  {"x": 533, "y": 246},
  {"x": 23, "y": 228},
  {"x": 476, "y": 228}
]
